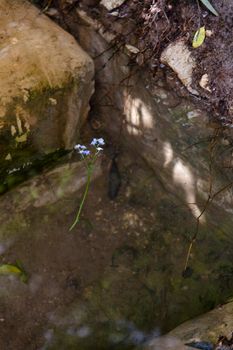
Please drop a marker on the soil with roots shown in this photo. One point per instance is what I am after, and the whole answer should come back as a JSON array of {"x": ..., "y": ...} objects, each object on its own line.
[{"x": 151, "y": 25}]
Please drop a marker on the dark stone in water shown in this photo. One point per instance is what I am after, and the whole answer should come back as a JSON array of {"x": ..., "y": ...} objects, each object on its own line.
[
  {"x": 73, "y": 282},
  {"x": 187, "y": 272},
  {"x": 223, "y": 344},
  {"x": 114, "y": 181},
  {"x": 201, "y": 345}
]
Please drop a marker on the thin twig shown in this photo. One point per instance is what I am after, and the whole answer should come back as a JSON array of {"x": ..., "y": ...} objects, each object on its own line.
[{"x": 210, "y": 198}]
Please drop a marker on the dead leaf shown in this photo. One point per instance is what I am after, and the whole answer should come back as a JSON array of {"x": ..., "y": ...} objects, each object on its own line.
[
  {"x": 132, "y": 49},
  {"x": 204, "y": 82},
  {"x": 8, "y": 157}
]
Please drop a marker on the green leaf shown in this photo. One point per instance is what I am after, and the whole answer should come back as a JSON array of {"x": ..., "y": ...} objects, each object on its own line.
[
  {"x": 208, "y": 5},
  {"x": 16, "y": 270},
  {"x": 199, "y": 37}
]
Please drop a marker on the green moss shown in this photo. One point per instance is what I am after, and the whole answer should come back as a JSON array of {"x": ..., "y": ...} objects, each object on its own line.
[
  {"x": 45, "y": 91},
  {"x": 179, "y": 114},
  {"x": 15, "y": 223},
  {"x": 23, "y": 170}
]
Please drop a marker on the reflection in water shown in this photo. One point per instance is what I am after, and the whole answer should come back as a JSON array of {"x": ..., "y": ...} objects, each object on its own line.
[
  {"x": 165, "y": 343},
  {"x": 120, "y": 335}
]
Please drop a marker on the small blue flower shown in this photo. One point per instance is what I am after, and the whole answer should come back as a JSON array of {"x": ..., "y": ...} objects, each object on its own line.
[
  {"x": 84, "y": 152},
  {"x": 79, "y": 147},
  {"x": 101, "y": 141},
  {"x": 97, "y": 142},
  {"x": 94, "y": 142}
]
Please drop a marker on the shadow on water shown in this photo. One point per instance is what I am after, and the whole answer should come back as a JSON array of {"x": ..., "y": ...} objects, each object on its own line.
[{"x": 116, "y": 281}]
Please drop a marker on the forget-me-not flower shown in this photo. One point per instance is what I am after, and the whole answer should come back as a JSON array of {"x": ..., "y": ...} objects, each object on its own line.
[
  {"x": 89, "y": 163},
  {"x": 82, "y": 149},
  {"x": 79, "y": 147},
  {"x": 85, "y": 152},
  {"x": 97, "y": 142}
]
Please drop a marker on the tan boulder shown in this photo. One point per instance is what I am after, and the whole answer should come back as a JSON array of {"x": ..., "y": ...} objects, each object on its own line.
[{"x": 46, "y": 81}]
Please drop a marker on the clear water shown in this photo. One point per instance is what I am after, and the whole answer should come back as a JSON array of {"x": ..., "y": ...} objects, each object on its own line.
[{"x": 115, "y": 282}]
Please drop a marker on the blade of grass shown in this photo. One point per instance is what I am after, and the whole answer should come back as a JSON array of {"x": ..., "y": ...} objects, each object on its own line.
[{"x": 208, "y": 5}]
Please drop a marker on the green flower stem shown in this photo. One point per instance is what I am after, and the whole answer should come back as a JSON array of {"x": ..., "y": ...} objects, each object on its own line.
[{"x": 89, "y": 173}]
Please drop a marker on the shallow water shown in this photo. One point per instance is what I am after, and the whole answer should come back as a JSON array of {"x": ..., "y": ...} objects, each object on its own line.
[{"x": 115, "y": 281}]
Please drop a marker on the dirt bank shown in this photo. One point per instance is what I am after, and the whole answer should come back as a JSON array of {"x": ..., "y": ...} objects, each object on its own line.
[{"x": 151, "y": 25}]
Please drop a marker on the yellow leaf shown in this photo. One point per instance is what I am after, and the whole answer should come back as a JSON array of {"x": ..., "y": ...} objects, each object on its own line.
[
  {"x": 22, "y": 138},
  {"x": 199, "y": 37},
  {"x": 9, "y": 269}
]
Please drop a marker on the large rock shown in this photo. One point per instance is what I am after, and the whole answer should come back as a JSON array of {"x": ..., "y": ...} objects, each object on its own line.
[
  {"x": 207, "y": 327},
  {"x": 166, "y": 343},
  {"x": 110, "y": 5},
  {"x": 43, "y": 190},
  {"x": 179, "y": 58},
  {"x": 45, "y": 83}
]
